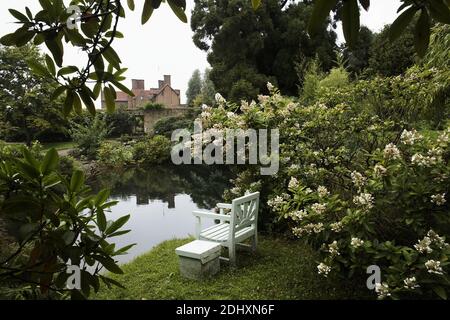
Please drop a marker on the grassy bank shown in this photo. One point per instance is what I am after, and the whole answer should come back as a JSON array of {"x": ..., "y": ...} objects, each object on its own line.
[{"x": 281, "y": 269}]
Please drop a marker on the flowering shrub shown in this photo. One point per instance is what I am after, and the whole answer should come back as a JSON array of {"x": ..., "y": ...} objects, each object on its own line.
[
  {"x": 114, "y": 154},
  {"x": 356, "y": 180}
]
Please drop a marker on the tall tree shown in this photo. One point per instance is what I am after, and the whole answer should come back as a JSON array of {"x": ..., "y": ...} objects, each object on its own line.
[
  {"x": 392, "y": 58},
  {"x": 247, "y": 47},
  {"x": 194, "y": 87},
  {"x": 27, "y": 110},
  {"x": 208, "y": 89},
  {"x": 358, "y": 56}
]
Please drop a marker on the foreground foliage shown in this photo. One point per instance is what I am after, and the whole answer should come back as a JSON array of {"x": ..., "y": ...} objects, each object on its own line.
[
  {"x": 53, "y": 224},
  {"x": 155, "y": 275}
]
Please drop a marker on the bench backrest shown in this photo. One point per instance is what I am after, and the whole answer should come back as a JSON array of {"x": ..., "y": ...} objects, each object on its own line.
[{"x": 244, "y": 212}]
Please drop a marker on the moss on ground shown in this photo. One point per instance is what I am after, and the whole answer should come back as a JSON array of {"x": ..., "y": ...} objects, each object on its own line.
[{"x": 281, "y": 269}]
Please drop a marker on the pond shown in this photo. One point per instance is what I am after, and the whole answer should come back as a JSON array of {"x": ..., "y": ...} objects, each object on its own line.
[{"x": 160, "y": 201}]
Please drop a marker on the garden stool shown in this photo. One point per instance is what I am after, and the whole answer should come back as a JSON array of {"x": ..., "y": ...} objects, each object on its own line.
[{"x": 199, "y": 259}]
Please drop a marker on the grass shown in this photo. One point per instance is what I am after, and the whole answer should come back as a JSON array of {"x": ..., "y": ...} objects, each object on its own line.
[
  {"x": 281, "y": 269},
  {"x": 59, "y": 145}
]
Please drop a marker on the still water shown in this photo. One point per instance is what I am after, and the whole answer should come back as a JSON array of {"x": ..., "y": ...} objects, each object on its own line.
[{"x": 160, "y": 201}]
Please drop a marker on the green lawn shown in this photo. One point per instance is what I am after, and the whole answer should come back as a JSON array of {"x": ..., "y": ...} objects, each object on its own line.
[
  {"x": 59, "y": 145},
  {"x": 281, "y": 269}
]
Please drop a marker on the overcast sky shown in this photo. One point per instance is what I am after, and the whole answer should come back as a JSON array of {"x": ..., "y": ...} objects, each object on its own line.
[{"x": 164, "y": 45}]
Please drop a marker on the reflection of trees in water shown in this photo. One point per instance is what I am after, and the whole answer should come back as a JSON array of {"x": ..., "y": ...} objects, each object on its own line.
[{"x": 204, "y": 184}]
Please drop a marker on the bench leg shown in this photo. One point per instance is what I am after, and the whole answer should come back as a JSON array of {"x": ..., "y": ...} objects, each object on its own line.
[
  {"x": 232, "y": 255},
  {"x": 255, "y": 242}
]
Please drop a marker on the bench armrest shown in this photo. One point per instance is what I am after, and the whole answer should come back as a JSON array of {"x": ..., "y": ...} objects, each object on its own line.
[
  {"x": 224, "y": 206},
  {"x": 202, "y": 214}
]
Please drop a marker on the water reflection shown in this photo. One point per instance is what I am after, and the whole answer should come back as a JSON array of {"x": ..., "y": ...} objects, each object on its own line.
[{"x": 161, "y": 200}]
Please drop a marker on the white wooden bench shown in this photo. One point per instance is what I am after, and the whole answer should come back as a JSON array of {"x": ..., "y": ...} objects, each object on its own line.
[{"x": 239, "y": 225}]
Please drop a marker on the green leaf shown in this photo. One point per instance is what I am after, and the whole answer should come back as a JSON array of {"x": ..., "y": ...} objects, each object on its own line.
[
  {"x": 109, "y": 99},
  {"x": 8, "y": 40},
  {"x": 56, "y": 48},
  {"x": 38, "y": 68},
  {"x": 50, "y": 64},
  {"x": 50, "y": 161},
  {"x": 109, "y": 264},
  {"x": 112, "y": 57},
  {"x": 123, "y": 250},
  {"x": 440, "y": 292},
  {"x": 400, "y": 24},
  {"x": 256, "y": 4},
  {"x": 122, "y": 87},
  {"x": 422, "y": 34},
  {"x": 68, "y": 103},
  {"x": 101, "y": 220},
  {"x": 365, "y": 4},
  {"x": 178, "y": 10},
  {"x": 440, "y": 11},
  {"x": 76, "y": 181},
  {"x": 131, "y": 4},
  {"x": 67, "y": 70},
  {"x": 320, "y": 12},
  {"x": 77, "y": 104},
  {"x": 18, "y": 15},
  {"x": 350, "y": 21},
  {"x": 147, "y": 11},
  {"x": 58, "y": 91},
  {"x": 117, "y": 224},
  {"x": 85, "y": 95},
  {"x": 102, "y": 196}
]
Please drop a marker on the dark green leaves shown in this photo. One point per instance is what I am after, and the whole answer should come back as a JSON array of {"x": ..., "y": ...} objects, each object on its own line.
[
  {"x": 350, "y": 21},
  {"x": 320, "y": 12},
  {"x": 18, "y": 15},
  {"x": 440, "y": 11},
  {"x": 401, "y": 23},
  {"x": 131, "y": 4},
  {"x": 116, "y": 225},
  {"x": 178, "y": 8},
  {"x": 256, "y": 4},
  {"x": 422, "y": 34},
  {"x": 50, "y": 162},
  {"x": 109, "y": 99},
  {"x": 77, "y": 181},
  {"x": 147, "y": 12}
]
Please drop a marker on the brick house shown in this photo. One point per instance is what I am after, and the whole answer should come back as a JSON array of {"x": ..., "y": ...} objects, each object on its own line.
[{"x": 164, "y": 94}]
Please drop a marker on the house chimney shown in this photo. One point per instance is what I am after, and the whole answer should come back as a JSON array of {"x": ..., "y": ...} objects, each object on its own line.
[
  {"x": 167, "y": 80},
  {"x": 160, "y": 84},
  {"x": 137, "y": 84}
]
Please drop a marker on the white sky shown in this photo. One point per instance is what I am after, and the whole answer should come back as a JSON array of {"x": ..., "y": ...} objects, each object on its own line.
[{"x": 148, "y": 55}]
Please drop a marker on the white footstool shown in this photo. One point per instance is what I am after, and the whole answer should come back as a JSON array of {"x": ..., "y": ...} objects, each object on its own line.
[{"x": 199, "y": 259}]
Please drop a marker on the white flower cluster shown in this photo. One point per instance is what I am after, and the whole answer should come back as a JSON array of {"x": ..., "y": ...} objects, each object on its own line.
[
  {"x": 270, "y": 87},
  {"x": 276, "y": 202},
  {"x": 220, "y": 99},
  {"x": 410, "y": 283},
  {"x": 391, "y": 152},
  {"x": 293, "y": 183},
  {"x": 298, "y": 215},
  {"x": 356, "y": 242},
  {"x": 379, "y": 170},
  {"x": 444, "y": 137},
  {"x": 382, "y": 289},
  {"x": 358, "y": 179},
  {"x": 410, "y": 137},
  {"x": 424, "y": 245},
  {"x": 336, "y": 226},
  {"x": 319, "y": 208},
  {"x": 308, "y": 229},
  {"x": 333, "y": 249},
  {"x": 322, "y": 191},
  {"x": 438, "y": 199},
  {"x": 434, "y": 266},
  {"x": 322, "y": 268},
  {"x": 364, "y": 200},
  {"x": 424, "y": 161}
]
